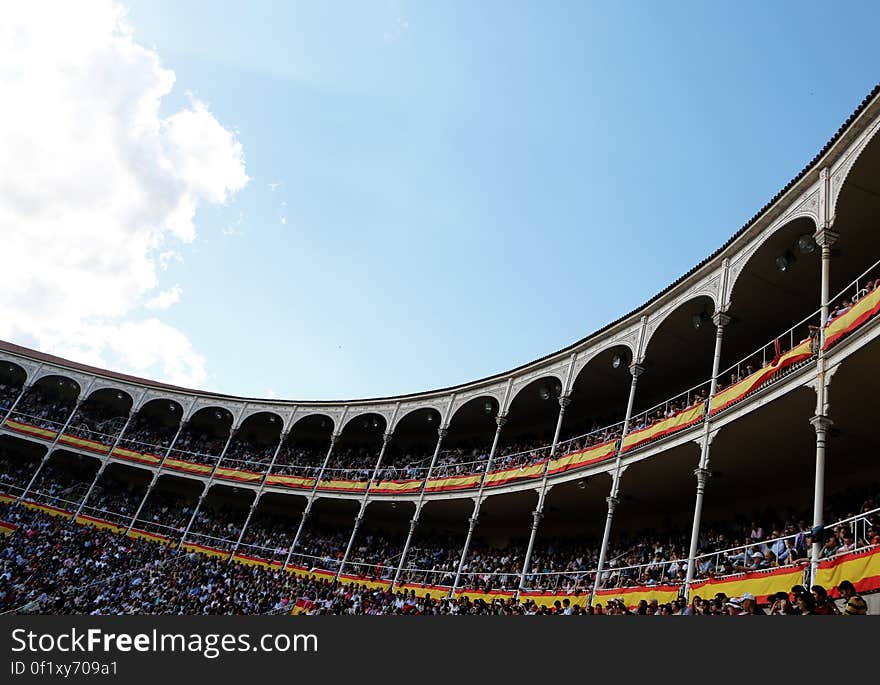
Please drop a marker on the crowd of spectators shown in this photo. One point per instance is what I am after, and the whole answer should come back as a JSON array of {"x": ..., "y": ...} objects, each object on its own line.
[{"x": 50, "y": 565}]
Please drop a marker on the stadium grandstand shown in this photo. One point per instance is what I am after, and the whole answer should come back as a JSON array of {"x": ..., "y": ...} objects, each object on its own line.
[{"x": 711, "y": 452}]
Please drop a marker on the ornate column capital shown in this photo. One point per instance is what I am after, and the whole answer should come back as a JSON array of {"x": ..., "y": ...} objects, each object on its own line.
[
  {"x": 612, "y": 503},
  {"x": 564, "y": 401},
  {"x": 821, "y": 422},
  {"x": 501, "y": 419},
  {"x": 386, "y": 438},
  {"x": 703, "y": 476},
  {"x": 825, "y": 237},
  {"x": 442, "y": 432},
  {"x": 720, "y": 319},
  {"x": 636, "y": 369}
]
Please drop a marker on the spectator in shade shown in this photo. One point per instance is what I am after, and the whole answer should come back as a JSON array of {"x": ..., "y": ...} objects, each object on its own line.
[
  {"x": 855, "y": 604},
  {"x": 824, "y": 605}
]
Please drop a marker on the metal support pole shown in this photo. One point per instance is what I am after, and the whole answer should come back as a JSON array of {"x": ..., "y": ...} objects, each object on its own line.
[
  {"x": 54, "y": 443},
  {"x": 702, "y": 471},
  {"x": 208, "y": 484},
  {"x": 821, "y": 421},
  {"x": 258, "y": 495},
  {"x": 472, "y": 522},
  {"x": 360, "y": 517},
  {"x": 636, "y": 370},
  {"x": 821, "y": 424},
  {"x": 311, "y": 499},
  {"x": 538, "y": 514},
  {"x": 155, "y": 477},
  {"x": 104, "y": 462},
  {"x": 441, "y": 433}
]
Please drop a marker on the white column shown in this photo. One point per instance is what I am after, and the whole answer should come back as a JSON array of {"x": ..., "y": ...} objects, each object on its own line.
[
  {"x": 472, "y": 521},
  {"x": 702, "y": 471},
  {"x": 258, "y": 494},
  {"x": 613, "y": 499},
  {"x": 441, "y": 433},
  {"x": 207, "y": 487},
  {"x": 104, "y": 462},
  {"x": 311, "y": 499},
  {"x": 360, "y": 517},
  {"x": 58, "y": 435},
  {"x": 538, "y": 514},
  {"x": 155, "y": 477},
  {"x": 821, "y": 421}
]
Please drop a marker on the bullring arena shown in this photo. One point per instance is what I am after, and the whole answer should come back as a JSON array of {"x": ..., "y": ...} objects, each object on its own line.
[{"x": 706, "y": 453}]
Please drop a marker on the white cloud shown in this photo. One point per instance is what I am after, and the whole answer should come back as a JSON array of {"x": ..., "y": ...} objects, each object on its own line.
[
  {"x": 283, "y": 220},
  {"x": 165, "y": 299},
  {"x": 97, "y": 190}
]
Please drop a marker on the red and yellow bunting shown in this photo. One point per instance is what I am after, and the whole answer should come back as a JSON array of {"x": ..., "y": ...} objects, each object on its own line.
[
  {"x": 249, "y": 560},
  {"x": 7, "y": 499},
  {"x": 189, "y": 467},
  {"x": 454, "y": 483},
  {"x": 861, "y": 568},
  {"x": 737, "y": 391},
  {"x": 239, "y": 475},
  {"x": 28, "y": 429},
  {"x": 582, "y": 458},
  {"x": 7, "y": 528},
  {"x": 46, "y": 509},
  {"x": 291, "y": 481},
  {"x": 140, "y": 457},
  {"x": 100, "y": 523},
  {"x": 759, "y": 583},
  {"x": 497, "y": 478},
  {"x": 84, "y": 444},
  {"x": 136, "y": 534},
  {"x": 680, "y": 421},
  {"x": 859, "y": 313},
  {"x": 397, "y": 487},
  {"x": 341, "y": 485},
  {"x": 205, "y": 549}
]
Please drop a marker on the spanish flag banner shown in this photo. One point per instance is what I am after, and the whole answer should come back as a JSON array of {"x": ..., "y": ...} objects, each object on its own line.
[
  {"x": 239, "y": 475},
  {"x": 302, "y": 606},
  {"x": 249, "y": 560},
  {"x": 136, "y": 534},
  {"x": 759, "y": 583},
  {"x": 433, "y": 591},
  {"x": 371, "y": 584},
  {"x": 340, "y": 485},
  {"x": 100, "y": 523},
  {"x": 189, "y": 467},
  {"x": 46, "y": 509},
  {"x": 858, "y": 314},
  {"x": 140, "y": 457},
  {"x": 397, "y": 486},
  {"x": 582, "y": 458},
  {"x": 28, "y": 429},
  {"x": 7, "y": 528},
  {"x": 633, "y": 595},
  {"x": 454, "y": 483},
  {"x": 291, "y": 481},
  {"x": 204, "y": 549},
  {"x": 496, "y": 478},
  {"x": 673, "y": 424},
  {"x": 737, "y": 391},
  {"x": 487, "y": 597},
  {"x": 7, "y": 499},
  {"x": 84, "y": 444},
  {"x": 861, "y": 568}
]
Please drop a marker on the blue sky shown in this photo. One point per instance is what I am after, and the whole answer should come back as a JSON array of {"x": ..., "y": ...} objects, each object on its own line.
[{"x": 466, "y": 186}]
